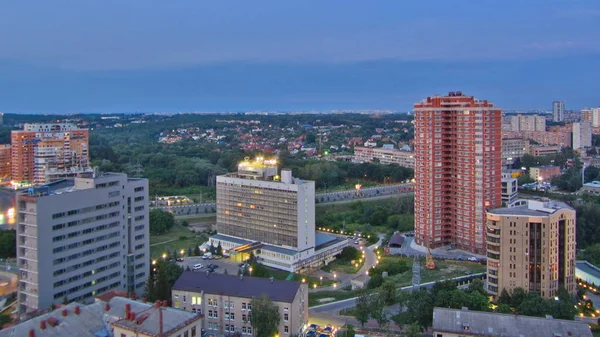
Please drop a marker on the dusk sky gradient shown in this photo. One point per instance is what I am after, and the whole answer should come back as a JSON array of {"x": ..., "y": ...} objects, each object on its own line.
[{"x": 190, "y": 55}]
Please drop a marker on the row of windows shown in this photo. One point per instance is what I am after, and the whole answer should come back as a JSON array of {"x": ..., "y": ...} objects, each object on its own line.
[
  {"x": 85, "y": 253},
  {"x": 87, "y": 263},
  {"x": 86, "y": 285},
  {"x": 85, "y": 221},
  {"x": 85, "y": 242},
  {"x": 109, "y": 184},
  {"x": 138, "y": 189},
  {"x": 140, "y": 198},
  {"x": 86, "y": 274},
  {"x": 85, "y": 231},
  {"x": 84, "y": 210}
]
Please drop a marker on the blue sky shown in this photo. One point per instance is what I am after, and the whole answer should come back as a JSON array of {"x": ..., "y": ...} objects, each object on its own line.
[{"x": 123, "y": 56}]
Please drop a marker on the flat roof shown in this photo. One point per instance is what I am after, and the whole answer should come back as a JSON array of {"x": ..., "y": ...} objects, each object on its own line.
[
  {"x": 231, "y": 239},
  {"x": 280, "y": 250},
  {"x": 526, "y": 210},
  {"x": 323, "y": 240},
  {"x": 236, "y": 286}
]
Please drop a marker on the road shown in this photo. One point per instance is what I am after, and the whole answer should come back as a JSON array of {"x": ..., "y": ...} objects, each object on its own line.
[{"x": 321, "y": 198}]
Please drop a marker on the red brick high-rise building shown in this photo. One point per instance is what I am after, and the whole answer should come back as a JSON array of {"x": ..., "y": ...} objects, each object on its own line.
[{"x": 458, "y": 170}]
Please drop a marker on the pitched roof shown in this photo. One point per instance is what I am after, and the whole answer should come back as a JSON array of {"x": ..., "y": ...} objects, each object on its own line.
[
  {"x": 479, "y": 323},
  {"x": 236, "y": 286}
]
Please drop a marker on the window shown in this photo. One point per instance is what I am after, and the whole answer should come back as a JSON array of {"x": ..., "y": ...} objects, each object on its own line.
[
  {"x": 243, "y": 306},
  {"x": 249, "y": 306},
  {"x": 196, "y": 300},
  {"x": 285, "y": 317},
  {"x": 193, "y": 331},
  {"x": 286, "y": 329},
  {"x": 249, "y": 330},
  {"x": 232, "y": 316},
  {"x": 244, "y": 319},
  {"x": 185, "y": 334},
  {"x": 183, "y": 298}
]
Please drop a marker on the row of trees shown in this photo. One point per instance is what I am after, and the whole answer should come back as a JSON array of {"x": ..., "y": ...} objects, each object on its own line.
[
  {"x": 161, "y": 222},
  {"x": 163, "y": 274}
]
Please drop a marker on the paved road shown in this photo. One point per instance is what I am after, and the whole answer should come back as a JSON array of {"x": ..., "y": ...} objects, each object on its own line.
[{"x": 371, "y": 192}]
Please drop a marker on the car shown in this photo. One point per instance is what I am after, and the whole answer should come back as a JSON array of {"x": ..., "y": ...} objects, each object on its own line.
[
  {"x": 328, "y": 330},
  {"x": 473, "y": 259},
  {"x": 313, "y": 327},
  {"x": 210, "y": 270},
  {"x": 180, "y": 259},
  {"x": 242, "y": 265},
  {"x": 356, "y": 242},
  {"x": 323, "y": 335},
  {"x": 311, "y": 333},
  {"x": 197, "y": 266}
]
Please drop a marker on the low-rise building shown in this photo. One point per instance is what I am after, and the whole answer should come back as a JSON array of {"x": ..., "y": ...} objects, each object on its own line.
[
  {"x": 537, "y": 151},
  {"x": 513, "y": 149},
  {"x": 545, "y": 172},
  {"x": 592, "y": 188},
  {"x": 463, "y": 322},
  {"x": 225, "y": 301},
  {"x": 384, "y": 156},
  {"x": 118, "y": 317},
  {"x": 543, "y": 137}
]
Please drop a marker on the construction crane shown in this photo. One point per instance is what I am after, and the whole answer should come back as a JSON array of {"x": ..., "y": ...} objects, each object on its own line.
[{"x": 430, "y": 264}]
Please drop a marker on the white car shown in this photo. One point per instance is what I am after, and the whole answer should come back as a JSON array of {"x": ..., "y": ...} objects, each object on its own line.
[
  {"x": 197, "y": 266},
  {"x": 473, "y": 259}
]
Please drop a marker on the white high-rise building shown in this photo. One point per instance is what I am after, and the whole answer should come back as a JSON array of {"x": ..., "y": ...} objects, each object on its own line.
[
  {"x": 273, "y": 216},
  {"x": 582, "y": 135},
  {"x": 81, "y": 237},
  {"x": 558, "y": 111}
]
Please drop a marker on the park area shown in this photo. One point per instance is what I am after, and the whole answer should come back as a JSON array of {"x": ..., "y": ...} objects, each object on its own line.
[{"x": 176, "y": 239}]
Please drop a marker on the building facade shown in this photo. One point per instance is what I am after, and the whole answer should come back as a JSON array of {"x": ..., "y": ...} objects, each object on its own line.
[
  {"x": 531, "y": 247},
  {"x": 543, "y": 137},
  {"x": 458, "y": 167},
  {"x": 5, "y": 163},
  {"x": 544, "y": 173},
  {"x": 537, "y": 151},
  {"x": 81, "y": 237},
  {"x": 225, "y": 301},
  {"x": 43, "y": 153},
  {"x": 592, "y": 116},
  {"x": 272, "y": 216},
  {"x": 528, "y": 123},
  {"x": 582, "y": 135},
  {"x": 513, "y": 149},
  {"x": 463, "y": 322},
  {"x": 510, "y": 189},
  {"x": 558, "y": 111},
  {"x": 384, "y": 156}
]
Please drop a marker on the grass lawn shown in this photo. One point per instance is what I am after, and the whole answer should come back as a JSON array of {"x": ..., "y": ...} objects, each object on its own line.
[
  {"x": 283, "y": 275},
  {"x": 444, "y": 270},
  {"x": 338, "y": 295},
  {"x": 177, "y": 239},
  {"x": 343, "y": 267}
]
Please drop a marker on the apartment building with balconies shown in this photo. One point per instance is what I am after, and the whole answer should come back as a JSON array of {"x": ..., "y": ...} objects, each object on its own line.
[
  {"x": 531, "y": 247},
  {"x": 80, "y": 237},
  {"x": 226, "y": 301}
]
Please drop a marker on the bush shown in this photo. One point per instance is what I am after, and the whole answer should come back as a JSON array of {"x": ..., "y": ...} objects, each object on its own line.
[{"x": 349, "y": 254}]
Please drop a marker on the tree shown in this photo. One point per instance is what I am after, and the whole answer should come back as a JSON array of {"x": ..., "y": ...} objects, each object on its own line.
[
  {"x": 65, "y": 300},
  {"x": 265, "y": 317},
  {"x": 413, "y": 330},
  {"x": 5, "y": 319},
  {"x": 378, "y": 311},
  {"x": 477, "y": 285},
  {"x": 190, "y": 251},
  {"x": 504, "y": 298},
  {"x": 533, "y": 305},
  {"x": 517, "y": 297},
  {"x": 197, "y": 250},
  {"x": 160, "y": 221},
  {"x": 504, "y": 308},
  {"x": 219, "y": 249},
  {"x": 163, "y": 288},
  {"x": 348, "y": 254},
  {"x": 387, "y": 292},
  {"x": 419, "y": 307},
  {"x": 362, "y": 310},
  {"x": 8, "y": 243},
  {"x": 347, "y": 330}
]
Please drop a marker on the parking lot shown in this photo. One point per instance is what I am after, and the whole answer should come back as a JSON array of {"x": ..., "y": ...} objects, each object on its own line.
[{"x": 223, "y": 264}]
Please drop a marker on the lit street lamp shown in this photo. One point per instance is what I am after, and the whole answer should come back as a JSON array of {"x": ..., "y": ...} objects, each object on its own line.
[{"x": 164, "y": 256}]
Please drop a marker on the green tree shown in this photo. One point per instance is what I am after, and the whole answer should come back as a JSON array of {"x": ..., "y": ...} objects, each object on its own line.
[
  {"x": 219, "y": 249},
  {"x": 477, "y": 285},
  {"x": 265, "y": 317},
  {"x": 197, "y": 250},
  {"x": 163, "y": 288},
  {"x": 160, "y": 221},
  {"x": 563, "y": 307},
  {"x": 504, "y": 308},
  {"x": 419, "y": 307},
  {"x": 504, "y": 298},
  {"x": 5, "y": 319},
  {"x": 413, "y": 330},
  {"x": 517, "y": 297},
  {"x": 190, "y": 251},
  {"x": 387, "y": 292},
  {"x": 362, "y": 310},
  {"x": 347, "y": 330},
  {"x": 378, "y": 311},
  {"x": 533, "y": 305},
  {"x": 150, "y": 291},
  {"x": 348, "y": 254},
  {"x": 8, "y": 243}
]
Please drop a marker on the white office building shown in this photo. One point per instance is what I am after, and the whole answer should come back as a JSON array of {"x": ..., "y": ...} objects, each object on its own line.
[
  {"x": 582, "y": 135},
  {"x": 274, "y": 217},
  {"x": 81, "y": 237}
]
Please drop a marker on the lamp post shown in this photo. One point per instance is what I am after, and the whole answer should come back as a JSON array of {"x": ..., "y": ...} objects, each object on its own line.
[{"x": 321, "y": 280}]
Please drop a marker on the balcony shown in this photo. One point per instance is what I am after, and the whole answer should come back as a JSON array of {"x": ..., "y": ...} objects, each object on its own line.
[{"x": 493, "y": 256}]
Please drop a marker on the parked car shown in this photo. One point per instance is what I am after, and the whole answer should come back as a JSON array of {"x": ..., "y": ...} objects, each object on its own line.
[
  {"x": 473, "y": 259},
  {"x": 313, "y": 327},
  {"x": 180, "y": 259},
  {"x": 197, "y": 266}
]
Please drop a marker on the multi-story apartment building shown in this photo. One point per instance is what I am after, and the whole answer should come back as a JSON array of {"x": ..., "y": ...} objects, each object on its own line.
[
  {"x": 385, "y": 156},
  {"x": 528, "y": 123},
  {"x": 537, "y": 151},
  {"x": 226, "y": 301},
  {"x": 545, "y": 173},
  {"x": 42, "y": 153},
  {"x": 5, "y": 166},
  {"x": 510, "y": 189},
  {"x": 543, "y": 137},
  {"x": 271, "y": 215},
  {"x": 458, "y": 168},
  {"x": 531, "y": 247},
  {"x": 463, "y": 322},
  {"x": 513, "y": 149},
  {"x": 592, "y": 116},
  {"x": 582, "y": 135},
  {"x": 80, "y": 237},
  {"x": 558, "y": 111},
  {"x": 118, "y": 317}
]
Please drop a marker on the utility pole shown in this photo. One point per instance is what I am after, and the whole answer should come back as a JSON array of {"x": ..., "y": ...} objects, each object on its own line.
[{"x": 416, "y": 269}]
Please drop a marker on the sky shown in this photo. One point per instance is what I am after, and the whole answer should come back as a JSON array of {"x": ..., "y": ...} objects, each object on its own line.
[{"x": 188, "y": 55}]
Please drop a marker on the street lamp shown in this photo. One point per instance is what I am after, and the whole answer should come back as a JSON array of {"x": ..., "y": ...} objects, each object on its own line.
[
  {"x": 321, "y": 280},
  {"x": 303, "y": 280},
  {"x": 182, "y": 252},
  {"x": 334, "y": 276},
  {"x": 250, "y": 270},
  {"x": 164, "y": 256},
  {"x": 153, "y": 262}
]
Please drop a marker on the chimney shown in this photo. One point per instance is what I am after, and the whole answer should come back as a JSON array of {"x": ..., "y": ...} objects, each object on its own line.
[
  {"x": 165, "y": 303},
  {"x": 31, "y": 333},
  {"x": 132, "y": 315},
  {"x": 127, "y": 308},
  {"x": 77, "y": 310},
  {"x": 107, "y": 307},
  {"x": 65, "y": 312},
  {"x": 42, "y": 325}
]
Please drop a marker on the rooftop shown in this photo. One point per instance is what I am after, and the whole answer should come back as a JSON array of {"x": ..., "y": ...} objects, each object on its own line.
[
  {"x": 545, "y": 167},
  {"x": 479, "y": 323},
  {"x": 236, "y": 286},
  {"x": 95, "y": 320},
  {"x": 533, "y": 208},
  {"x": 592, "y": 184}
]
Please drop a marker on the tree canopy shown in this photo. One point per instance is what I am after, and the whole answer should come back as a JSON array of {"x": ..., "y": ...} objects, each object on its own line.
[
  {"x": 160, "y": 221},
  {"x": 265, "y": 317}
]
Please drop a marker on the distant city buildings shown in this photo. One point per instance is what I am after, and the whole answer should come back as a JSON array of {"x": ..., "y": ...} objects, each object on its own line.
[
  {"x": 531, "y": 247},
  {"x": 271, "y": 215},
  {"x": 544, "y": 173},
  {"x": 528, "y": 123},
  {"x": 80, "y": 237},
  {"x": 582, "y": 135},
  {"x": 558, "y": 111},
  {"x": 543, "y": 137},
  {"x": 513, "y": 149},
  {"x": 458, "y": 167},
  {"x": 43, "y": 153},
  {"x": 592, "y": 116},
  {"x": 225, "y": 301},
  {"x": 384, "y": 156}
]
